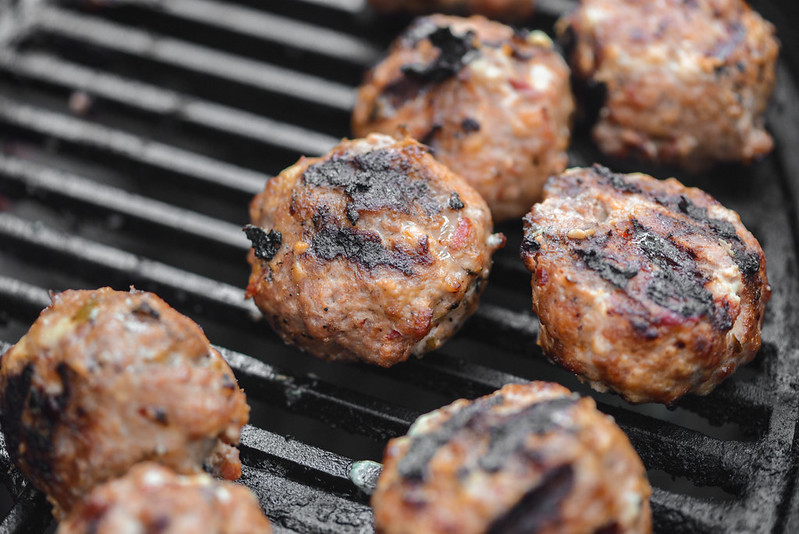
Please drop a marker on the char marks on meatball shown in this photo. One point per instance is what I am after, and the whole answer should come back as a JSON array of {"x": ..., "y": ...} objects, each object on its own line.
[
  {"x": 646, "y": 287},
  {"x": 684, "y": 82},
  {"x": 506, "y": 10},
  {"x": 530, "y": 458},
  {"x": 374, "y": 252},
  {"x": 105, "y": 379},
  {"x": 494, "y": 104},
  {"x": 154, "y": 499}
]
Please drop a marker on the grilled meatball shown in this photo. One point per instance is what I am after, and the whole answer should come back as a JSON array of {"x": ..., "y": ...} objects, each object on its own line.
[
  {"x": 105, "y": 379},
  {"x": 153, "y": 499},
  {"x": 642, "y": 286},
  {"x": 530, "y": 458},
  {"x": 374, "y": 252},
  {"x": 685, "y": 82},
  {"x": 507, "y": 10},
  {"x": 495, "y": 105}
]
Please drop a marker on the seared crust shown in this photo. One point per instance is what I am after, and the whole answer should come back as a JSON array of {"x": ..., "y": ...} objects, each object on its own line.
[
  {"x": 374, "y": 252},
  {"x": 506, "y": 10},
  {"x": 642, "y": 286},
  {"x": 530, "y": 458},
  {"x": 686, "y": 82},
  {"x": 105, "y": 379},
  {"x": 154, "y": 499},
  {"x": 494, "y": 104}
]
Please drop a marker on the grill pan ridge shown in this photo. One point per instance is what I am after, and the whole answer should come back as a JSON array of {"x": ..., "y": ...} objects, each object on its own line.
[{"x": 133, "y": 133}]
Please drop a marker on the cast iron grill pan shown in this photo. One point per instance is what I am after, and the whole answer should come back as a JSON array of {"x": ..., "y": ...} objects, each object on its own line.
[{"x": 133, "y": 133}]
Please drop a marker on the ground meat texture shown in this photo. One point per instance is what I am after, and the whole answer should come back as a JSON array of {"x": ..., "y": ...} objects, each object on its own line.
[
  {"x": 378, "y": 252},
  {"x": 681, "y": 82},
  {"x": 506, "y": 10},
  {"x": 105, "y": 379},
  {"x": 154, "y": 499},
  {"x": 530, "y": 458},
  {"x": 494, "y": 104},
  {"x": 646, "y": 287}
]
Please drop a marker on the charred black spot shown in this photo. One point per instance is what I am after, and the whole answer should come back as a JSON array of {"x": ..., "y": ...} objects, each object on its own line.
[
  {"x": 611, "y": 528},
  {"x": 748, "y": 262},
  {"x": 510, "y": 434},
  {"x": 146, "y": 309},
  {"x": 430, "y": 136},
  {"x": 455, "y": 202},
  {"x": 615, "y": 180},
  {"x": 470, "y": 125},
  {"x": 398, "y": 92},
  {"x": 606, "y": 268},
  {"x": 365, "y": 247},
  {"x": 14, "y": 399},
  {"x": 381, "y": 179},
  {"x": 678, "y": 285},
  {"x": 456, "y": 51},
  {"x": 529, "y": 245},
  {"x": 423, "y": 447},
  {"x": 265, "y": 244},
  {"x": 539, "y": 507}
]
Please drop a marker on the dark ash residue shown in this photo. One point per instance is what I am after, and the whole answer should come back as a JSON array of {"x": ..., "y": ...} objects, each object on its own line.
[
  {"x": 265, "y": 244},
  {"x": 376, "y": 180}
]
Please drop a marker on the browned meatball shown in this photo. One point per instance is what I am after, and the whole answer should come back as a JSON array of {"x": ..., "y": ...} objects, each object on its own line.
[
  {"x": 105, "y": 379},
  {"x": 153, "y": 499},
  {"x": 494, "y": 104},
  {"x": 530, "y": 458},
  {"x": 507, "y": 10},
  {"x": 642, "y": 286},
  {"x": 686, "y": 82},
  {"x": 374, "y": 252}
]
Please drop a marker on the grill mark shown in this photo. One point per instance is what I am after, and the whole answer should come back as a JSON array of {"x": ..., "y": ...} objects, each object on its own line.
[
  {"x": 46, "y": 411},
  {"x": 380, "y": 179},
  {"x": 601, "y": 264},
  {"x": 748, "y": 262},
  {"x": 678, "y": 285},
  {"x": 539, "y": 507},
  {"x": 616, "y": 180},
  {"x": 413, "y": 465},
  {"x": 509, "y": 436},
  {"x": 455, "y": 52},
  {"x": 265, "y": 245},
  {"x": 366, "y": 248}
]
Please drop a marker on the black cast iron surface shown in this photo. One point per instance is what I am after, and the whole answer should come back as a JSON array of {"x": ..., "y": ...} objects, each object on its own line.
[{"x": 133, "y": 134}]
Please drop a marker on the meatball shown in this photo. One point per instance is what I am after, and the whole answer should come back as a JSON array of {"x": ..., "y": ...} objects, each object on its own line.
[
  {"x": 683, "y": 82},
  {"x": 507, "y": 10},
  {"x": 152, "y": 498},
  {"x": 374, "y": 252},
  {"x": 530, "y": 458},
  {"x": 105, "y": 379},
  {"x": 494, "y": 104},
  {"x": 642, "y": 286}
]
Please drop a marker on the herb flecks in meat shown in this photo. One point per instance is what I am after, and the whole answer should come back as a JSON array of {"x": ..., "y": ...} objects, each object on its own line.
[{"x": 265, "y": 244}]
